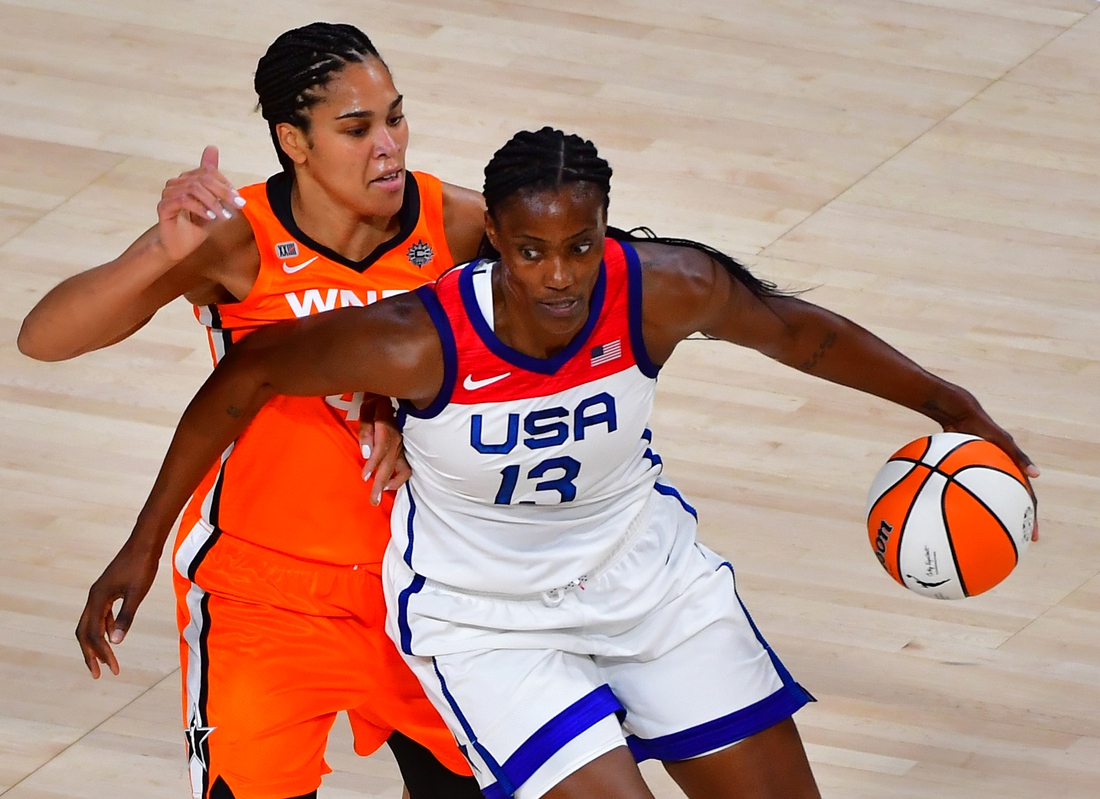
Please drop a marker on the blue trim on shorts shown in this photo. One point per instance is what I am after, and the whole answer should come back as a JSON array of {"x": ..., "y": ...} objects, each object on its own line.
[
  {"x": 669, "y": 491},
  {"x": 502, "y": 787},
  {"x": 736, "y": 726},
  {"x": 403, "y": 612},
  {"x": 548, "y": 739},
  {"x": 720, "y": 732},
  {"x": 788, "y": 680}
]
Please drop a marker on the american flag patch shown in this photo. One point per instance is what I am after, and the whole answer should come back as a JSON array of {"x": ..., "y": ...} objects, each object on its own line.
[{"x": 607, "y": 352}]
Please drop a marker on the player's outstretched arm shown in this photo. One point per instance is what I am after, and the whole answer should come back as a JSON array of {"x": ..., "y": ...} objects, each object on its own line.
[
  {"x": 106, "y": 304},
  {"x": 687, "y": 291},
  {"x": 389, "y": 348}
]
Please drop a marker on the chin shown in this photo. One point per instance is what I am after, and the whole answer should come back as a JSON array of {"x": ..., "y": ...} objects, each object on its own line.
[
  {"x": 566, "y": 325},
  {"x": 377, "y": 203}
]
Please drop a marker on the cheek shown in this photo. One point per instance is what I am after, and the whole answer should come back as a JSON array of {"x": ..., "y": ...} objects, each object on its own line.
[{"x": 401, "y": 137}]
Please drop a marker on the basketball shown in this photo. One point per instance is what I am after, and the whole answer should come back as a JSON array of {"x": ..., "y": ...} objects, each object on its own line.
[{"x": 949, "y": 515}]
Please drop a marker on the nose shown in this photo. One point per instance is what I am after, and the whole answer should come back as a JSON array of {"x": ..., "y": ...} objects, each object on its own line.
[
  {"x": 559, "y": 275},
  {"x": 384, "y": 143}
]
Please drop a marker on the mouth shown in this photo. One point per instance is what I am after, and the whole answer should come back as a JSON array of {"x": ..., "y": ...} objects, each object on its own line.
[
  {"x": 391, "y": 181},
  {"x": 561, "y": 308}
]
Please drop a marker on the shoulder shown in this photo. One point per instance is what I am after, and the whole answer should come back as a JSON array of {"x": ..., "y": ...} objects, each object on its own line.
[
  {"x": 672, "y": 271},
  {"x": 228, "y": 261},
  {"x": 680, "y": 287},
  {"x": 460, "y": 197},
  {"x": 463, "y": 220}
]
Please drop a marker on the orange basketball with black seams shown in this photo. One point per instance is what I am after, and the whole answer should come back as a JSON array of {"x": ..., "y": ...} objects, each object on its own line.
[{"x": 949, "y": 515}]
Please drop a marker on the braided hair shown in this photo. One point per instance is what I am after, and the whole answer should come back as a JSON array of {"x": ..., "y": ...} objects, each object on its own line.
[
  {"x": 296, "y": 65},
  {"x": 540, "y": 161},
  {"x": 548, "y": 159}
]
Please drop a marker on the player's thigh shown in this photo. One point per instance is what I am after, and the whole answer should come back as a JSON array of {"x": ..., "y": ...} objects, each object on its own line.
[
  {"x": 613, "y": 775},
  {"x": 771, "y": 764},
  {"x": 263, "y": 686},
  {"x": 526, "y": 719},
  {"x": 395, "y": 700}
]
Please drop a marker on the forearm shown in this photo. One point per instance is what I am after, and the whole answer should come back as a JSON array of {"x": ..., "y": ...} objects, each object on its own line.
[
  {"x": 217, "y": 415},
  {"x": 96, "y": 307},
  {"x": 826, "y": 345}
]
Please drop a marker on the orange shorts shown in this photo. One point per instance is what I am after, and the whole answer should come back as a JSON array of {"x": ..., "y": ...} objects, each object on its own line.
[{"x": 272, "y": 649}]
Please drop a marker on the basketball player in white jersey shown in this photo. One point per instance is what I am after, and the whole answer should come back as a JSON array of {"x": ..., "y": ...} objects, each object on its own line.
[{"x": 542, "y": 580}]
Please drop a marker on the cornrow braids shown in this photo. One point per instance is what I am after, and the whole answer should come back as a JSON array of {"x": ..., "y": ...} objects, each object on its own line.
[
  {"x": 544, "y": 159},
  {"x": 549, "y": 158},
  {"x": 298, "y": 63}
]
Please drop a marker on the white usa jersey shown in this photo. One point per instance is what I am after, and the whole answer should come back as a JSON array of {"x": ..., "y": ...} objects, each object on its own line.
[{"x": 527, "y": 472}]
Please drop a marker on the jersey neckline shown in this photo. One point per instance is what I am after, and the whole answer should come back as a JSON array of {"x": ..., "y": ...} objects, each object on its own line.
[
  {"x": 544, "y": 366},
  {"x": 278, "y": 196}
]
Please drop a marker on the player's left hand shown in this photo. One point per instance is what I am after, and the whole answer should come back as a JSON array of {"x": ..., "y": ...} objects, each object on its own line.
[
  {"x": 978, "y": 423},
  {"x": 383, "y": 448}
]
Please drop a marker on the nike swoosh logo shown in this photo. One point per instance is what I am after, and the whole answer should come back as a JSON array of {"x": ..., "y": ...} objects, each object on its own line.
[
  {"x": 290, "y": 270},
  {"x": 471, "y": 385}
]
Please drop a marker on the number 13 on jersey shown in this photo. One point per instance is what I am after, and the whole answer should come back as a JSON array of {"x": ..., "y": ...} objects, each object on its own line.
[{"x": 543, "y": 428}]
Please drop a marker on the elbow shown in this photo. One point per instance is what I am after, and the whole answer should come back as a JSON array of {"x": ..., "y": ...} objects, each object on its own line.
[{"x": 34, "y": 346}]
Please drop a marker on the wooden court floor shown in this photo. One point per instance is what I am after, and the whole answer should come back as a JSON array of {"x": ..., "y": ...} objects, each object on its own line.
[{"x": 930, "y": 168}]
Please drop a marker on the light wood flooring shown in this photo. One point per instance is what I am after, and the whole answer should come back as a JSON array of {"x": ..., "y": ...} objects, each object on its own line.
[{"x": 930, "y": 168}]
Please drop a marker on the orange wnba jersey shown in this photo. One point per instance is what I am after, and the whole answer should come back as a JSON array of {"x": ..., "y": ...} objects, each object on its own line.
[{"x": 291, "y": 482}]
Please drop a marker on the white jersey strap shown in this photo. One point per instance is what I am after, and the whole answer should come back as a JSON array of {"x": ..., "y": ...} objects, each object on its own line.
[{"x": 483, "y": 290}]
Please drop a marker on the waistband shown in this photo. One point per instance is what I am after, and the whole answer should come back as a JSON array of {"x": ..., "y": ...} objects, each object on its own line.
[{"x": 554, "y": 596}]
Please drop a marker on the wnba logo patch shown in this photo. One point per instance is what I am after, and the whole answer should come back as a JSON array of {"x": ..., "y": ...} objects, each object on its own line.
[
  {"x": 420, "y": 253},
  {"x": 288, "y": 249}
]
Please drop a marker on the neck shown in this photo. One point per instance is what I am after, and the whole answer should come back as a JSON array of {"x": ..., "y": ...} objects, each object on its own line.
[
  {"x": 329, "y": 222},
  {"x": 517, "y": 328}
]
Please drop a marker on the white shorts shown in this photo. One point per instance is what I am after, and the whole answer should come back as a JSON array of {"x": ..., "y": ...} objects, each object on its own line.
[{"x": 655, "y": 651}]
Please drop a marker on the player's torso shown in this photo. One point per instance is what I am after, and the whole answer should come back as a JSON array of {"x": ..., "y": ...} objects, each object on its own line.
[
  {"x": 531, "y": 468},
  {"x": 292, "y": 482}
]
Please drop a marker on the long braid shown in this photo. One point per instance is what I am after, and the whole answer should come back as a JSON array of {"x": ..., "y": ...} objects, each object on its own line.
[
  {"x": 547, "y": 159},
  {"x": 298, "y": 63},
  {"x": 741, "y": 273}
]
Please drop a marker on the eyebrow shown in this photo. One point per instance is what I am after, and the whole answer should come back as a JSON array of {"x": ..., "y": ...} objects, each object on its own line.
[
  {"x": 585, "y": 232},
  {"x": 369, "y": 114}
]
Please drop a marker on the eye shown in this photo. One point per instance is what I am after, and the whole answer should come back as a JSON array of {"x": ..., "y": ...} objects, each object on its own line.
[
  {"x": 357, "y": 132},
  {"x": 529, "y": 253},
  {"x": 395, "y": 120},
  {"x": 582, "y": 247}
]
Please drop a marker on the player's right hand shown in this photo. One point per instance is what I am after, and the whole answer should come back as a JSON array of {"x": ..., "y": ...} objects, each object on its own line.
[
  {"x": 128, "y": 577},
  {"x": 193, "y": 201}
]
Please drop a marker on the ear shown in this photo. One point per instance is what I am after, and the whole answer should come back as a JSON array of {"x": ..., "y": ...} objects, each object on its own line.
[
  {"x": 294, "y": 141},
  {"x": 491, "y": 231}
]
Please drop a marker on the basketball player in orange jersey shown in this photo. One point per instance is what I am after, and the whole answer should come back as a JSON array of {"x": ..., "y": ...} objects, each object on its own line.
[{"x": 278, "y": 557}]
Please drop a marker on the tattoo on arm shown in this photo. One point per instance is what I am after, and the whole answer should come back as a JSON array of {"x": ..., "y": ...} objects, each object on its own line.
[
  {"x": 813, "y": 360},
  {"x": 233, "y": 411}
]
